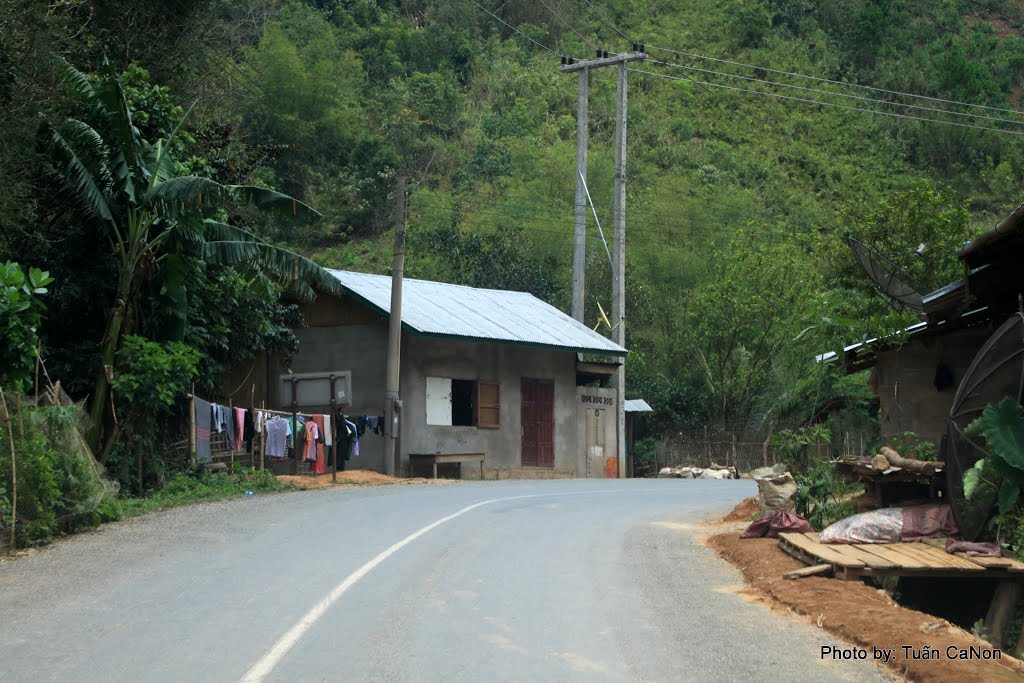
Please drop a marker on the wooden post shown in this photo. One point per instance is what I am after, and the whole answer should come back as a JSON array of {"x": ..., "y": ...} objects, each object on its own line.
[
  {"x": 14, "y": 466},
  {"x": 707, "y": 446},
  {"x": 767, "y": 444},
  {"x": 263, "y": 442},
  {"x": 192, "y": 426},
  {"x": 252, "y": 413},
  {"x": 231, "y": 446},
  {"x": 334, "y": 458}
]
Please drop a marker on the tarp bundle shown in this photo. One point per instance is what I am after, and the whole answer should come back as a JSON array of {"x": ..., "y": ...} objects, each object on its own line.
[
  {"x": 893, "y": 525},
  {"x": 774, "y": 523}
]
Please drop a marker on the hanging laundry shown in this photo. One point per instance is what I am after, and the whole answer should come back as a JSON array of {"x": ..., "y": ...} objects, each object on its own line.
[
  {"x": 372, "y": 423},
  {"x": 229, "y": 427},
  {"x": 361, "y": 425},
  {"x": 327, "y": 431},
  {"x": 354, "y": 440},
  {"x": 249, "y": 430},
  {"x": 218, "y": 418},
  {"x": 319, "y": 465},
  {"x": 239, "y": 419},
  {"x": 381, "y": 425},
  {"x": 277, "y": 438},
  {"x": 309, "y": 444},
  {"x": 204, "y": 416}
]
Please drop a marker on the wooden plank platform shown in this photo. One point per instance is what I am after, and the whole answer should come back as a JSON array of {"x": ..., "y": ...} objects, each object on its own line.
[{"x": 852, "y": 561}]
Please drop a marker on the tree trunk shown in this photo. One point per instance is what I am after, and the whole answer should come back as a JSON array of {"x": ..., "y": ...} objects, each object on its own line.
[{"x": 101, "y": 392}]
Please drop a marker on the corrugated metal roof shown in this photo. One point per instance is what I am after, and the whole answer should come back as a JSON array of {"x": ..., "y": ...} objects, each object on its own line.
[
  {"x": 638, "y": 405},
  {"x": 493, "y": 315}
]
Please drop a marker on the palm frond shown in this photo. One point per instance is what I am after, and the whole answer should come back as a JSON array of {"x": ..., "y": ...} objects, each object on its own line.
[
  {"x": 76, "y": 80},
  {"x": 281, "y": 263},
  {"x": 181, "y": 194},
  {"x": 178, "y": 195},
  {"x": 132, "y": 171},
  {"x": 216, "y": 231},
  {"x": 78, "y": 177},
  {"x": 276, "y": 202}
]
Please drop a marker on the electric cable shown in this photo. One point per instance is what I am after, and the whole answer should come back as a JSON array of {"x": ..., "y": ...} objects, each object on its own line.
[
  {"x": 828, "y": 104},
  {"x": 497, "y": 18}
]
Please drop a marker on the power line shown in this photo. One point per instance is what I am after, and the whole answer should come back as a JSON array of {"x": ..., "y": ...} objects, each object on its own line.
[
  {"x": 837, "y": 94},
  {"x": 562, "y": 224},
  {"x": 593, "y": 10},
  {"x": 567, "y": 24},
  {"x": 497, "y": 18},
  {"x": 833, "y": 82},
  {"x": 827, "y": 104}
]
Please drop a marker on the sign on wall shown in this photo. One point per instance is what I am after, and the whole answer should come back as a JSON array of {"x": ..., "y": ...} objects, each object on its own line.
[{"x": 314, "y": 388}]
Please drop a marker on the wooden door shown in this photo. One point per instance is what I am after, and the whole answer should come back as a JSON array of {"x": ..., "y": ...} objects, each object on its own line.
[{"x": 538, "y": 418}]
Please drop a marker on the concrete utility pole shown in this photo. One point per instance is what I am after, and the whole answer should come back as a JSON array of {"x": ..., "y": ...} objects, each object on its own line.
[
  {"x": 619, "y": 236},
  {"x": 391, "y": 395},
  {"x": 579, "y": 246}
]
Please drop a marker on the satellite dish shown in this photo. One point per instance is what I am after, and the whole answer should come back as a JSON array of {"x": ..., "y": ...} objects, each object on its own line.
[
  {"x": 996, "y": 371},
  {"x": 895, "y": 284}
]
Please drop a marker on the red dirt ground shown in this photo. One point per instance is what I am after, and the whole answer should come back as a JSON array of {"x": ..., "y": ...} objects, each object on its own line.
[
  {"x": 856, "y": 612},
  {"x": 350, "y": 478}
]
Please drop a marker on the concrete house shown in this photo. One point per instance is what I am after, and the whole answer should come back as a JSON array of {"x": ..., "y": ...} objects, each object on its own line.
[{"x": 482, "y": 371}]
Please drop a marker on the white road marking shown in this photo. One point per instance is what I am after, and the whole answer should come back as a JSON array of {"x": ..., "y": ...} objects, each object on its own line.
[{"x": 261, "y": 669}]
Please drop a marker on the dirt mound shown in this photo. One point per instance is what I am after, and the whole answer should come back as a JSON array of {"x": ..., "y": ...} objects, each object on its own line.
[
  {"x": 861, "y": 615},
  {"x": 744, "y": 512},
  {"x": 349, "y": 478}
]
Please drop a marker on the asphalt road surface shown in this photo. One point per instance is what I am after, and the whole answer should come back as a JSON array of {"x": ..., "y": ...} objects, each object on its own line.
[{"x": 496, "y": 581}]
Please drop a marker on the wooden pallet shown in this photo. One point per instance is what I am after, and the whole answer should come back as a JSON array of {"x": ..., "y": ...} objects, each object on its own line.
[
  {"x": 924, "y": 559},
  {"x": 896, "y": 559}
]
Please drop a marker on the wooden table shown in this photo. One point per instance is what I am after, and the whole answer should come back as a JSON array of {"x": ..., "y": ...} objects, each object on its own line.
[{"x": 460, "y": 458}]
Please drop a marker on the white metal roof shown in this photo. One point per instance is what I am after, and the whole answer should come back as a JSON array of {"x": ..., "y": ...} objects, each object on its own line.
[
  {"x": 638, "y": 405},
  {"x": 491, "y": 315}
]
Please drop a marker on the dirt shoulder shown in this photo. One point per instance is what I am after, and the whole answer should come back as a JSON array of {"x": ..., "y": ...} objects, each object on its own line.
[
  {"x": 858, "y": 613},
  {"x": 352, "y": 478}
]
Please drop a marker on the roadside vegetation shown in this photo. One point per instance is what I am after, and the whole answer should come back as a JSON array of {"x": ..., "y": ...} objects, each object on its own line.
[{"x": 200, "y": 486}]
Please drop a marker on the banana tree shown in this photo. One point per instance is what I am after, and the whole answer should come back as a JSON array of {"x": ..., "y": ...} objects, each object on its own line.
[{"x": 146, "y": 209}]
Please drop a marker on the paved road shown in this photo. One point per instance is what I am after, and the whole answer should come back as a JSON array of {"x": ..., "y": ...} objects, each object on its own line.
[{"x": 550, "y": 581}]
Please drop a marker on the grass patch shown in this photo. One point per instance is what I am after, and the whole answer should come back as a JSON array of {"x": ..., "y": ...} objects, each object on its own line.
[{"x": 203, "y": 486}]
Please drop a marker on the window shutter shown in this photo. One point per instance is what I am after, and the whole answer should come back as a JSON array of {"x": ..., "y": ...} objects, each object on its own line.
[{"x": 488, "y": 405}]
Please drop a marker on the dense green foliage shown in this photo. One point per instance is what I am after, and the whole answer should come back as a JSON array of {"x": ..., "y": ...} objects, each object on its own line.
[
  {"x": 738, "y": 204},
  {"x": 58, "y": 485},
  {"x": 21, "y": 310}
]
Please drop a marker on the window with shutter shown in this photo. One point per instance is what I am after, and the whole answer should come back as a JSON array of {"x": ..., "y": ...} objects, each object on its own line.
[{"x": 488, "y": 405}]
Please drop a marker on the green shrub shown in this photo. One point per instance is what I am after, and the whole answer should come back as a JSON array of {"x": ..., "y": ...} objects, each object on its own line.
[
  {"x": 60, "y": 487},
  {"x": 199, "y": 485},
  {"x": 821, "y": 495},
  {"x": 20, "y": 314}
]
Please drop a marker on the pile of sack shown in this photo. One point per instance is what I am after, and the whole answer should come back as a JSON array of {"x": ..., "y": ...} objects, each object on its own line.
[
  {"x": 713, "y": 472},
  {"x": 776, "y": 491}
]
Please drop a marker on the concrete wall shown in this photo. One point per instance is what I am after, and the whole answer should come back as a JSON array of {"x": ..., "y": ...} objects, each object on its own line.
[
  {"x": 904, "y": 381},
  {"x": 424, "y": 357},
  {"x": 362, "y": 349},
  {"x": 595, "y": 432}
]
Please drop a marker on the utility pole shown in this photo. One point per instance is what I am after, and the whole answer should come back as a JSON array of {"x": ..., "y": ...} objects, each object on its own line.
[
  {"x": 619, "y": 235},
  {"x": 391, "y": 395},
  {"x": 619, "y": 276},
  {"x": 579, "y": 245}
]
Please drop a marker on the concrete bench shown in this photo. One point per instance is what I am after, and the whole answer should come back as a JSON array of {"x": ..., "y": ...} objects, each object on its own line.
[{"x": 460, "y": 458}]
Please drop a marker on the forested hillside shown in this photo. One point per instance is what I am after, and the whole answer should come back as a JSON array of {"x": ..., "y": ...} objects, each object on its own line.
[{"x": 738, "y": 199}]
